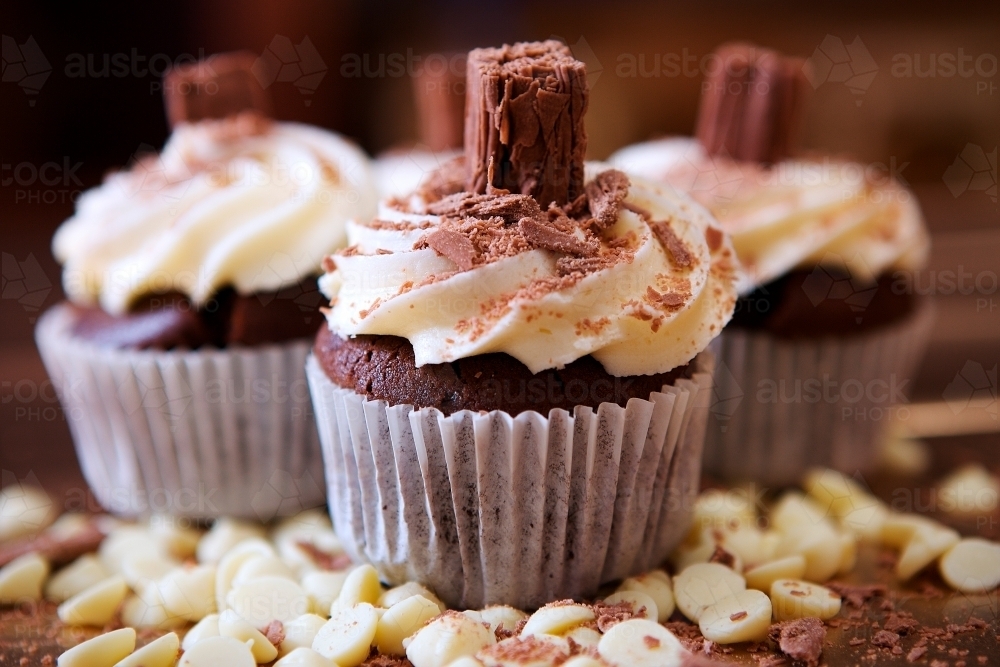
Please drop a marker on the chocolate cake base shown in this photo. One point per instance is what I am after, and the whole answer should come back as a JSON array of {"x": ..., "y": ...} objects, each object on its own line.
[
  {"x": 384, "y": 368},
  {"x": 169, "y": 321},
  {"x": 820, "y": 303}
]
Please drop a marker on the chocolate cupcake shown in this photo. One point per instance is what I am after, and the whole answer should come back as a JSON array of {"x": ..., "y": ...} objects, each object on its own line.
[
  {"x": 823, "y": 340},
  {"x": 511, "y": 394},
  {"x": 191, "y": 278}
]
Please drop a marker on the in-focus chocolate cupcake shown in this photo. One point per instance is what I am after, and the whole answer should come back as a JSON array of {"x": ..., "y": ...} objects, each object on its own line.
[
  {"x": 823, "y": 342},
  {"x": 511, "y": 393},
  {"x": 191, "y": 277},
  {"x": 439, "y": 99}
]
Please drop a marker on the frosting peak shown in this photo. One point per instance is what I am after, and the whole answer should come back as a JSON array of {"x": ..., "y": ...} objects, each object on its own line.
[
  {"x": 245, "y": 201},
  {"x": 631, "y": 273}
]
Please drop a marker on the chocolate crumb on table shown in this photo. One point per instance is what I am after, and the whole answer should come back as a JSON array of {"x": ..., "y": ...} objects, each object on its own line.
[{"x": 801, "y": 639}]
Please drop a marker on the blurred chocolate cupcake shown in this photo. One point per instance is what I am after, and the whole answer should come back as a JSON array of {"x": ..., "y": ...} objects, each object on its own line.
[
  {"x": 824, "y": 341},
  {"x": 439, "y": 99},
  {"x": 191, "y": 277},
  {"x": 511, "y": 393}
]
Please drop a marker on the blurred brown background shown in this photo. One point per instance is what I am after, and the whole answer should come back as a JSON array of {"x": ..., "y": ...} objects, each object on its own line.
[{"x": 923, "y": 99}]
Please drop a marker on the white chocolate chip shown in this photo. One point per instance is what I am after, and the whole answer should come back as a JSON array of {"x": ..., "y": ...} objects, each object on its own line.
[
  {"x": 323, "y": 589},
  {"x": 704, "y": 584},
  {"x": 96, "y": 605},
  {"x": 502, "y": 616},
  {"x": 268, "y": 599},
  {"x": 145, "y": 569},
  {"x": 206, "y": 627},
  {"x": 925, "y": 545},
  {"x": 761, "y": 577},
  {"x": 188, "y": 592},
  {"x": 402, "y": 620},
  {"x": 819, "y": 543},
  {"x": 22, "y": 578},
  {"x": 556, "y": 619},
  {"x": 791, "y": 599},
  {"x": 173, "y": 537},
  {"x": 582, "y": 661},
  {"x": 969, "y": 491},
  {"x": 261, "y": 566},
  {"x": 584, "y": 636},
  {"x": 400, "y": 593},
  {"x": 643, "y": 606},
  {"x": 469, "y": 661},
  {"x": 216, "y": 651},
  {"x": 718, "y": 508},
  {"x": 848, "y": 553},
  {"x": 641, "y": 643},
  {"x": 79, "y": 575},
  {"x": 300, "y": 632},
  {"x": 347, "y": 637},
  {"x": 304, "y": 657},
  {"x": 361, "y": 585},
  {"x": 230, "y": 564},
  {"x": 972, "y": 566},
  {"x": 744, "y": 617},
  {"x": 656, "y": 586},
  {"x": 101, "y": 651},
  {"x": 232, "y": 625},
  {"x": 24, "y": 510},
  {"x": 446, "y": 639},
  {"x": 160, "y": 652},
  {"x": 224, "y": 535},
  {"x": 146, "y": 609},
  {"x": 128, "y": 541},
  {"x": 794, "y": 510},
  {"x": 898, "y": 528}
]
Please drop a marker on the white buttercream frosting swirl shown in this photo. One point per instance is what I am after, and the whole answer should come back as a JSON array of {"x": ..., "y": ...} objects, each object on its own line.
[
  {"x": 795, "y": 214},
  {"x": 639, "y": 311},
  {"x": 242, "y": 202}
]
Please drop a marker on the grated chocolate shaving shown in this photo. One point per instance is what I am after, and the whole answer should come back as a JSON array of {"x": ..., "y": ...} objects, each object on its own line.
[
  {"x": 678, "y": 252},
  {"x": 610, "y": 615},
  {"x": 801, "y": 639},
  {"x": 605, "y": 194},
  {"x": 509, "y": 207},
  {"x": 453, "y": 245},
  {"x": 541, "y": 235}
]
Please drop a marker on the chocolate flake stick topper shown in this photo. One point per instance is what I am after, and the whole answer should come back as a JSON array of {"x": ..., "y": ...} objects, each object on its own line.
[
  {"x": 525, "y": 105},
  {"x": 751, "y": 104},
  {"x": 439, "y": 94},
  {"x": 219, "y": 86}
]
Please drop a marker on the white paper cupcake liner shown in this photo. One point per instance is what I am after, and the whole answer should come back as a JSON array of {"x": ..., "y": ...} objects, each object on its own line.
[
  {"x": 781, "y": 407},
  {"x": 196, "y": 434},
  {"x": 488, "y": 508}
]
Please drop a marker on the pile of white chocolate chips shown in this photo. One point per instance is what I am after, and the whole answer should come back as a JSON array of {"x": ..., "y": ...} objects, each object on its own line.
[{"x": 287, "y": 595}]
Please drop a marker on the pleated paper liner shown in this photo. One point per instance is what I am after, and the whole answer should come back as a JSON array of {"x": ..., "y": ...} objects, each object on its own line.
[
  {"x": 783, "y": 406},
  {"x": 488, "y": 508},
  {"x": 199, "y": 434}
]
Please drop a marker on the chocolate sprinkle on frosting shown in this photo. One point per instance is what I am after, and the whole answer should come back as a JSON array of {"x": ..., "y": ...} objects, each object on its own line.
[
  {"x": 541, "y": 235},
  {"x": 604, "y": 194},
  {"x": 525, "y": 106},
  {"x": 509, "y": 207},
  {"x": 678, "y": 252},
  {"x": 453, "y": 245}
]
